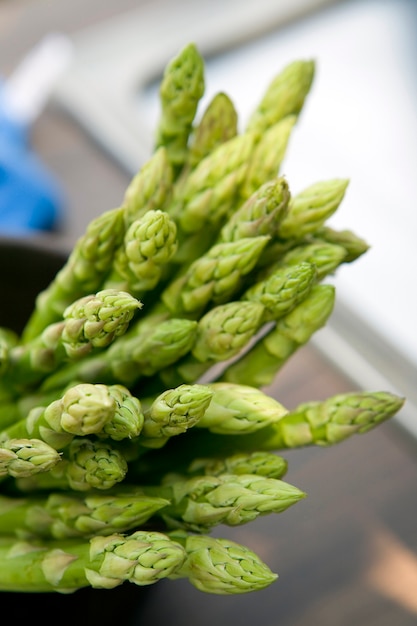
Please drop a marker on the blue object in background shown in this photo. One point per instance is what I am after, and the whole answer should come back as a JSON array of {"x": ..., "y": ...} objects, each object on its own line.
[{"x": 30, "y": 196}]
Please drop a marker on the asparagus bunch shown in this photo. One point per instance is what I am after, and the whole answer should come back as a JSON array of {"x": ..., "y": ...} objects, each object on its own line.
[{"x": 125, "y": 439}]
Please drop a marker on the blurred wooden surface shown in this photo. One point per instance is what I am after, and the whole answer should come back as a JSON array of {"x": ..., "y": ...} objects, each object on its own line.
[{"x": 347, "y": 555}]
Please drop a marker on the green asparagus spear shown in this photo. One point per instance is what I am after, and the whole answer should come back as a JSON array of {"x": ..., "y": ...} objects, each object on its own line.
[
  {"x": 354, "y": 245},
  {"x": 234, "y": 411},
  {"x": 267, "y": 156},
  {"x": 340, "y": 416},
  {"x": 222, "y": 333},
  {"x": 326, "y": 257},
  {"x": 261, "y": 214},
  {"x": 180, "y": 91},
  {"x": 86, "y": 464},
  {"x": 221, "y": 566},
  {"x": 128, "y": 418},
  {"x": 204, "y": 197},
  {"x": 142, "y": 558},
  {"x": 215, "y": 277},
  {"x": 149, "y": 244},
  {"x": 150, "y": 189},
  {"x": 260, "y": 463},
  {"x": 82, "y": 274},
  {"x": 309, "y": 209},
  {"x": 141, "y": 356},
  {"x": 173, "y": 412},
  {"x": 321, "y": 423},
  {"x": 84, "y": 409},
  {"x": 259, "y": 365},
  {"x": 202, "y": 502},
  {"x": 126, "y": 421},
  {"x": 143, "y": 353},
  {"x": 218, "y": 124},
  {"x": 90, "y": 322},
  {"x": 239, "y": 409},
  {"x": 70, "y": 515},
  {"x": 284, "y": 96},
  {"x": 26, "y": 457},
  {"x": 280, "y": 292},
  {"x": 211, "y": 189}
]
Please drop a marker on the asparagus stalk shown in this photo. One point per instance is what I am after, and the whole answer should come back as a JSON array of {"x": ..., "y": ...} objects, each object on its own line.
[
  {"x": 234, "y": 410},
  {"x": 309, "y": 209},
  {"x": 181, "y": 89},
  {"x": 18, "y": 408},
  {"x": 215, "y": 277},
  {"x": 173, "y": 412},
  {"x": 71, "y": 515},
  {"x": 150, "y": 189},
  {"x": 337, "y": 418},
  {"x": 142, "y": 558},
  {"x": 259, "y": 463},
  {"x": 202, "y": 502},
  {"x": 326, "y": 257},
  {"x": 84, "y": 409},
  {"x": 149, "y": 244},
  {"x": 152, "y": 350},
  {"x": 83, "y": 273},
  {"x": 354, "y": 245},
  {"x": 261, "y": 214},
  {"x": 239, "y": 409},
  {"x": 127, "y": 419},
  {"x": 26, "y": 457},
  {"x": 259, "y": 365},
  {"x": 89, "y": 323},
  {"x": 148, "y": 349},
  {"x": 321, "y": 423},
  {"x": 86, "y": 464},
  {"x": 218, "y": 124},
  {"x": 221, "y": 334},
  {"x": 267, "y": 156},
  {"x": 211, "y": 188},
  {"x": 284, "y": 96},
  {"x": 221, "y": 566},
  {"x": 283, "y": 289}
]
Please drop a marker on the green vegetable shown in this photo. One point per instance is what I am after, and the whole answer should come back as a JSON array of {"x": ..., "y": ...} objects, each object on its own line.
[
  {"x": 84, "y": 409},
  {"x": 150, "y": 189},
  {"x": 82, "y": 274},
  {"x": 320, "y": 423},
  {"x": 126, "y": 440},
  {"x": 142, "y": 558},
  {"x": 173, "y": 412},
  {"x": 26, "y": 457},
  {"x": 284, "y": 96},
  {"x": 260, "y": 364},
  {"x": 149, "y": 244},
  {"x": 221, "y": 566},
  {"x": 181, "y": 88},
  {"x": 213, "y": 278},
  {"x": 202, "y": 502},
  {"x": 218, "y": 124},
  {"x": 91, "y": 322},
  {"x": 86, "y": 464},
  {"x": 221, "y": 334},
  {"x": 71, "y": 515}
]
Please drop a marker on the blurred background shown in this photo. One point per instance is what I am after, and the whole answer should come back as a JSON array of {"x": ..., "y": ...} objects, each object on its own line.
[{"x": 78, "y": 107}]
